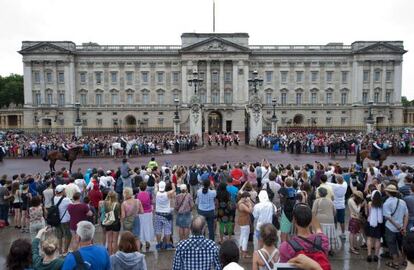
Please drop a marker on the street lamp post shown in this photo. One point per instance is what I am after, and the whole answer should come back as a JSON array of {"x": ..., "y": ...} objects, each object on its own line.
[
  {"x": 78, "y": 121},
  {"x": 370, "y": 119},
  {"x": 176, "y": 117},
  {"x": 255, "y": 81},
  {"x": 196, "y": 81},
  {"x": 274, "y": 117}
]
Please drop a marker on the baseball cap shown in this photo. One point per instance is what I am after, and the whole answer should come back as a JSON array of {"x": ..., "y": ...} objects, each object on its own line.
[
  {"x": 60, "y": 188},
  {"x": 183, "y": 187},
  {"x": 161, "y": 186}
]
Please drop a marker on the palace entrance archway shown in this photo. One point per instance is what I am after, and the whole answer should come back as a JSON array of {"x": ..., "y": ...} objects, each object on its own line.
[
  {"x": 215, "y": 122},
  {"x": 298, "y": 119},
  {"x": 130, "y": 123}
]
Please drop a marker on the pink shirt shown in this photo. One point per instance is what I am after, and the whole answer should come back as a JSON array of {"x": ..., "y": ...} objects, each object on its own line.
[
  {"x": 145, "y": 199},
  {"x": 286, "y": 251}
]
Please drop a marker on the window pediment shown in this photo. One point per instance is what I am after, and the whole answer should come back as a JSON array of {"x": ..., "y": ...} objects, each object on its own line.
[
  {"x": 329, "y": 90},
  {"x": 284, "y": 90}
]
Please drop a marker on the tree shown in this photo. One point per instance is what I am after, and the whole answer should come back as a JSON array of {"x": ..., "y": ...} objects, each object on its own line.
[
  {"x": 11, "y": 90},
  {"x": 406, "y": 103}
]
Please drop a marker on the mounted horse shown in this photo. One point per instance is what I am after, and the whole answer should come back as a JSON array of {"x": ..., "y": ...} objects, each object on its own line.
[
  {"x": 56, "y": 155},
  {"x": 367, "y": 154},
  {"x": 338, "y": 147},
  {"x": 121, "y": 148}
]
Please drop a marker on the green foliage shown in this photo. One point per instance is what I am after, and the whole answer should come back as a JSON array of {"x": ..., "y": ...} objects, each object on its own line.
[
  {"x": 11, "y": 90},
  {"x": 407, "y": 103}
]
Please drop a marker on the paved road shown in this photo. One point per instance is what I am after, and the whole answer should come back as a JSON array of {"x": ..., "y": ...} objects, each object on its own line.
[{"x": 207, "y": 155}]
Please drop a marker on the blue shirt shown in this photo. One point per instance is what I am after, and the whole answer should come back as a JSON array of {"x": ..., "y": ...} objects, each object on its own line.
[
  {"x": 389, "y": 207},
  {"x": 233, "y": 192},
  {"x": 198, "y": 253},
  {"x": 95, "y": 256},
  {"x": 206, "y": 201}
]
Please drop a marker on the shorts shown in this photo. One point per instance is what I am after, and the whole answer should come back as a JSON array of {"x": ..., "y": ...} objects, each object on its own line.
[
  {"x": 161, "y": 223},
  {"x": 340, "y": 216},
  {"x": 115, "y": 227},
  {"x": 394, "y": 241},
  {"x": 63, "y": 231},
  {"x": 354, "y": 226},
  {"x": 183, "y": 220},
  {"x": 17, "y": 205},
  {"x": 226, "y": 228},
  {"x": 373, "y": 232}
]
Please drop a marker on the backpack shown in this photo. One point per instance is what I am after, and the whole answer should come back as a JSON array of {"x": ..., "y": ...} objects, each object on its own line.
[
  {"x": 193, "y": 178},
  {"x": 109, "y": 217},
  {"x": 53, "y": 216},
  {"x": 270, "y": 193},
  {"x": 316, "y": 252},
  {"x": 80, "y": 263}
]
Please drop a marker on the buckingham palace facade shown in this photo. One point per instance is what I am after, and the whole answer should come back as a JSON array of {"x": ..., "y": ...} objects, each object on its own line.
[{"x": 135, "y": 86}]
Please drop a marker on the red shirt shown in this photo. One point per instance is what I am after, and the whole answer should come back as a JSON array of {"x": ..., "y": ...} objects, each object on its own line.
[
  {"x": 237, "y": 175},
  {"x": 95, "y": 195},
  {"x": 77, "y": 213}
]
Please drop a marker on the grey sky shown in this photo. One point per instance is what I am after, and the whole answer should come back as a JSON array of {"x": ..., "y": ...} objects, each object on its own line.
[{"x": 276, "y": 22}]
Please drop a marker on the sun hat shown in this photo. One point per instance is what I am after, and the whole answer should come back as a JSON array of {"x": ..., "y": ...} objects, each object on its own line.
[
  {"x": 359, "y": 194},
  {"x": 161, "y": 186},
  {"x": 60, "y": 188},
  {"x": 391, "y": 189},
  {"x": 183, "y": 187}
]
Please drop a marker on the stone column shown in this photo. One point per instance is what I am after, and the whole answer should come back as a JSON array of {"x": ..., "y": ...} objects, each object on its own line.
[
  {"x": 42, "y": 84},
  {"x": 208, "y": 81},
  {"x": 371, "y": 82},
  {"x": 27, "y": 75},
  {"x": 397, "y": 81},
  {"x": 245, "y": 82},
  {"x": 176, "y": 126},
  {"x": 383, "y": 83},
  {"x": 221, "y": 79},
  {"x": 196, "y": 116},
  {"x": 274, "y": 126},
  {"x": 236, "y": 97}
]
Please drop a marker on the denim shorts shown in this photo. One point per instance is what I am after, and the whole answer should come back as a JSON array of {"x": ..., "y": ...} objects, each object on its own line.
[
  {"x": 394, "y": 241},
  {"x": 183, "y": 220},
  {"x": 340, "y": 216}
]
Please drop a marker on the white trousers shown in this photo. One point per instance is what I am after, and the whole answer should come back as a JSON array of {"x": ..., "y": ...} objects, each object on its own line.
[{"x": 244, "y": 237}]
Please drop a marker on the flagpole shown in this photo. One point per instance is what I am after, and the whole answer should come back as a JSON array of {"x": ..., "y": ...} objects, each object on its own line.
[{"x": 214, "y": 16}]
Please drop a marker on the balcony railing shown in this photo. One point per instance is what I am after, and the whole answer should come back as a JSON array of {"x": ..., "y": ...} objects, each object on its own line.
[{"x": 126, "y": 48}]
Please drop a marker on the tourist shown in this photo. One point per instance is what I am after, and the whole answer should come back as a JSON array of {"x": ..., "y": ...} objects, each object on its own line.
[
  {"x": 196, "y": 252},
  {"x": 324, "y": 210},
  {"x": 339, "y": 191},
  {"x": 112, "y": 229},
  {"x": 125, "y": 174},
  {"x": 409, "y": 200},
  {"x": 47, "y": 196},
  {"x": 95, "y": 196},
  {"x": 78, "y": 211},
  {"x": 245, "y": 208},
  {"x": 49, "y": 258},
  {"x": 273, "y": 187},
  {"x": 20, "y": 255},
  {"x": 17, "y": 204},
  {"x": 5, "y": 197},
  {"x": 146, "y": 234},
  {"x": 405, "y": 190},
  {"x": 263, "y": 213},
  {"x": 128, "y": 256},
  {"x": 408, "y": 249},
  {"x": 206, "y": 207},
  {"x": 396, "y": 215},
  {"x": 265, "y": 171},
  {"x": 265, "y": 257},
  {"x": 248, "y": 187},
  {"x": 96, "y": 257},
  {"x": 304, "y": 262},
  {"x": 26, "y": 196},
  {"x": 71, "y": 188},
  {"x": 229, "y": 256},
  {"x": 163, "y": 216},
  {"x": 401, "y": 176},
  {"x": 354, "y": 227},
  {"x": 62, "y": 230},
  {"x": 324, "y": 184},
  {"x": 288, "y": 201},
  {"x": 303, "y": 221},
  {"x": 251, "y": 175},
  {"x": 184, "y": 205},
  {"x": 374, "y": 225},
  {"x": 130, "y": 209},
  {"x": 225, "y": 209},
  {"x": 36, "y": 219}
]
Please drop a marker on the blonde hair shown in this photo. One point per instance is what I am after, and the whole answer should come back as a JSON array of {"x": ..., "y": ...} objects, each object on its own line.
[
  {"x": 50, "y": 243},
  {"x": 111, "y": 198},
  {"x": 127, "y": 193}
]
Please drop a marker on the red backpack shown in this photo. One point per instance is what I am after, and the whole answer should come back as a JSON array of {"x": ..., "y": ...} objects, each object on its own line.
[{"x": 316, "y": 252}]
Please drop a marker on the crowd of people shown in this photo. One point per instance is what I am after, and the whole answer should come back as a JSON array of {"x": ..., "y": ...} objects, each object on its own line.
[
  {"x": 197, "y": 209},
  {"x": 19, "y": 145},
  {"x": 326, "y": 142},
  {"x": 223, "y": 139}
]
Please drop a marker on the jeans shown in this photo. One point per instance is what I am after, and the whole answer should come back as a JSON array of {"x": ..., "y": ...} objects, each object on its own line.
[
  {"x": 244, "y": 237},
  {"x": 193, "y": 191},
  {"x": 4, "y": 212},
  {"x": 209, "y": 216}
]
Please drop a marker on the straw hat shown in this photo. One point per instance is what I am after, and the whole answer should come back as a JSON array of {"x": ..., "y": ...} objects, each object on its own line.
[
  {"x": 359, "y": 194},
  {"x": 391, "y": 189}
]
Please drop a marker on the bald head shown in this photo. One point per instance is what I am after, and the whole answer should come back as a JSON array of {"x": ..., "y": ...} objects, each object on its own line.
[{"x": 197, "y": 225}]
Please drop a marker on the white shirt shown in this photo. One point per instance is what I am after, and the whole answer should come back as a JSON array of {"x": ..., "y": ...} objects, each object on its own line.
[
  {"x": 105, "y": 180},
  {"x": 63, "y": 207},
  {"x": 401, "y": 178},
  {"x": 81, "y": 183},
  {"x": 70, "y": 190},
  {"x": 233, "y": 266},
  {"x": 265, "y": 175},
  {"x": 263, "y": 213},
  {"x": 339, "y": 191},
  {"x": 162, "y": 203}
]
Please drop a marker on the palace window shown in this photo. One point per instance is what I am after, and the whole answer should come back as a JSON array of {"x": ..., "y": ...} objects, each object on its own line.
[
  {"x": 114, "y": 98},
  {"x": 344, "y": 98},
  {"x": 344, "y": 77},
  {"x": 129, "y": 77},
  {"x": 329, "y": 98},
  {"x": 98, "y": 77},
  {"x": 388, "y": 97},
  {"x": 227, "y": 76},
  {"x": 83, "y": 101},
  {"x": 61, "y": 77},
  {"x": 376, "y": 97},
  {"x": 269, "y": 76},
  {"x": 365, "y": 98},
  {"x": 49, "y": 77},
  {"x": 160, "y": 77},
  {"x": 228, "y": 97},
  {"x": 314, "y": 76},
  {"x": 388, "y": 76},
  {"x": 98, "y": 99},
  {"x": 114, "y": 77},
  {"x": 299, "y": 76},
  {"x": 215, "y": 97},
  {"x": 366, "y": 76},
  {"x": 38, "y": 99},
  {"x": 61, "y": 99},
  {"x": 130, "y": 99},
  {"x": 328, "y": 121},
  {"x": 283, "y": 76},
  {"x": 298, "y": 98},
  {"x": 145, "y": 98},
  {"x": 83, "y": 77},
  {"x": 144, "y": 77},
  {"x": 175, "y": 77},
  {"x": 215, "y": 77},
  {"x": 203, "y": 96},
  {"x": 49, "y": 98},
  {"x": 377, "y": 76},
  {"x": 269, "y": 98},
  {"x": 37, "y": 77},
  {"x": 343, "y": 121},
  {"x": 329, "y": 76},
  {"x": 160, "y": 98},
  {"x": 314, "y": 97},
  {"x": 283, "y": 98}
]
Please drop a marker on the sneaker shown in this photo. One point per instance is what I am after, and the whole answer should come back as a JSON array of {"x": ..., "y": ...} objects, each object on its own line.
[
  {"x": 376, "y": 258},
  {"x": 369, "y": 259},
  {"x": 159, "y": 246}
]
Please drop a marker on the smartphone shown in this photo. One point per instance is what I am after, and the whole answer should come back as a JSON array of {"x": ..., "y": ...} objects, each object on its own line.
[{"x": 283, "y": 266}]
